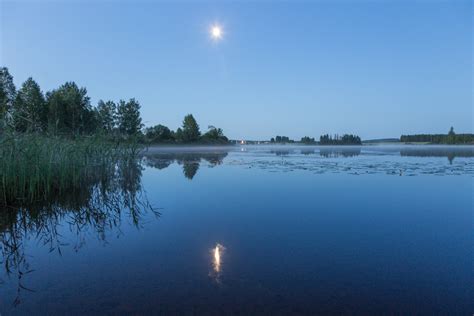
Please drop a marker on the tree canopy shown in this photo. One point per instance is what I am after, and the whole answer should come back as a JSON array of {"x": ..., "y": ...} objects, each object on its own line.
[
  {"x": 191, "y": 130},
  {"x": 346, "y": 139},
  {"x": 214, "y": 135},
  {"x": 128, "y": 116},
  {"x": 281, "y": 139},
  {"x": 162, "y": 134},
  {"x": 159, "y": 134},
  {"x": 70, "y": 111},
  {"x": 30, "y": 108},
  {"x": 7, "y": 96},
  {"x": 107, "y": 115},
  {"x": 65, "y": 111},
  {"x": 308, "y": 140}
]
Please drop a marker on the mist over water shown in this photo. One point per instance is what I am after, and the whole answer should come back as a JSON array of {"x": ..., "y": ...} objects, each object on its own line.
[{"x": 251, "y": 229}]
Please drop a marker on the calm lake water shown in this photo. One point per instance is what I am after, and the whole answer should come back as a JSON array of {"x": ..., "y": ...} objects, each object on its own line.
[{"x": 253, "y": 230}]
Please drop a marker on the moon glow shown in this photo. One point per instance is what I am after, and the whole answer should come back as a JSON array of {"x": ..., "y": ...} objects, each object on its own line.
[{"x": 216, "y": 32}]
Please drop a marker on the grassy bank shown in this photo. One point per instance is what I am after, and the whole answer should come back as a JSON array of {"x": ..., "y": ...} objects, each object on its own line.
[{"x": 35, "y": 167}]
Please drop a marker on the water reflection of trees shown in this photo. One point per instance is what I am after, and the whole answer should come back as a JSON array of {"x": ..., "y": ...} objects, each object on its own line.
[
  {"x": 98, "y": 201},
  {"x": 339, "y": 152},
  {"x": 280, "y": 152},
  {"x": 324, "y": 152},
  {"x": 190, "y": 161},
  {"x": 308, "y": 151},
  {"x": 447, "y": 152}
]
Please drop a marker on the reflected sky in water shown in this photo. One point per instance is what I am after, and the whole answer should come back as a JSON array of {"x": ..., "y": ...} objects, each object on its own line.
[{"x": 306, "y": 230}]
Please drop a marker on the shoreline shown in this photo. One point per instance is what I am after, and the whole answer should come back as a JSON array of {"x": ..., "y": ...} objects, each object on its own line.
[{"x": 223, "y": 147}]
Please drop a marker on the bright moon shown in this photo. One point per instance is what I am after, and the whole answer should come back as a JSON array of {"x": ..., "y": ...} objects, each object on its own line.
[{"x": 216, "y": 32}]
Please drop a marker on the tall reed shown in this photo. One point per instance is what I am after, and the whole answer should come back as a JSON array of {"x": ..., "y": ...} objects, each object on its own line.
[{"x": 32, "y": 167}]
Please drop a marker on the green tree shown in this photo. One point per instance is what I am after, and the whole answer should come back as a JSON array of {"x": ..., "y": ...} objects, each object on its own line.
[
  {"x": 7, "y": 96},
  {"x": 158, "y": 134},
  {"x": 191, "y": 131},
  {"x": 69, "y": 110},
  {"x": 451, "y": 131},
  {"x": 307, "y": 140},
  {"x": 128, "y": 117},
  {"x": 346, "y": 139},
  {"x": 179, "y": 135},
  {"x": 451, "y": 136},
  {"x": 107, "y": 115},
  {"x": 283, "y": 139},
  {"x": 214, "y": 135},
  {"x": 30, "y": 112}
]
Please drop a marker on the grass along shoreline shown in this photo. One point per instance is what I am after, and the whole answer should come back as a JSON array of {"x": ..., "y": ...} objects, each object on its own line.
[{"x": 32, "y": 167}]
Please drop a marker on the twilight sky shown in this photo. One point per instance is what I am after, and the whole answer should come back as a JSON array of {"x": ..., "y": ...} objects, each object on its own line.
[{"x": 374, "y": 68}]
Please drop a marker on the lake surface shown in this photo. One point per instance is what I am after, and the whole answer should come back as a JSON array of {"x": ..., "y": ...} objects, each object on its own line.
[{"x": 253, "y": 230}]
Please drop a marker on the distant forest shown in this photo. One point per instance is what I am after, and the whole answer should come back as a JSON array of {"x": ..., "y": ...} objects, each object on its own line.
[
  {"x": 450, "y": 138},
  {"x": 346, "y": 139}
]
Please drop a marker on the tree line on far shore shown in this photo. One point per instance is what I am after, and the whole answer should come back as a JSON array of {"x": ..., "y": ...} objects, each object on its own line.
[
  {"x": 346, "y": 139},
  {"x": 450, "y": 138},
  {"x": 67, "y": 111}
]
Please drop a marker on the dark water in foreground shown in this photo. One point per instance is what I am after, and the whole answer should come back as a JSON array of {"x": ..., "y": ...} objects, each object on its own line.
[{"x": 254, "y": 230}]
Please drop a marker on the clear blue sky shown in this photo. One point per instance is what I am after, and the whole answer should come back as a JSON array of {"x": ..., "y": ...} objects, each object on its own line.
[{"x": 377, "y": 68}]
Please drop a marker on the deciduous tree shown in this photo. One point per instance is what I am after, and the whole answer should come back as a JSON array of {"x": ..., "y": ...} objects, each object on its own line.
[
  {"x": 128, "y": 117},
  {"x": 191, "y": 130},
  {"x": 69, "y": 110},
  {"x": 30, "y": 112},
  {"x": 7, "y": 96}
]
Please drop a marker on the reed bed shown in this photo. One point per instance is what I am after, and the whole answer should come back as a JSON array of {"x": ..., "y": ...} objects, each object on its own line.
[{"x": 34, "y": 167}]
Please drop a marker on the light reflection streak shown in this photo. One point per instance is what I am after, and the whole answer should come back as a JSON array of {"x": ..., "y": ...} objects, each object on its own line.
[
  {"x": 217, "y": 258},
  {"x": 217, "y": 254}
]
